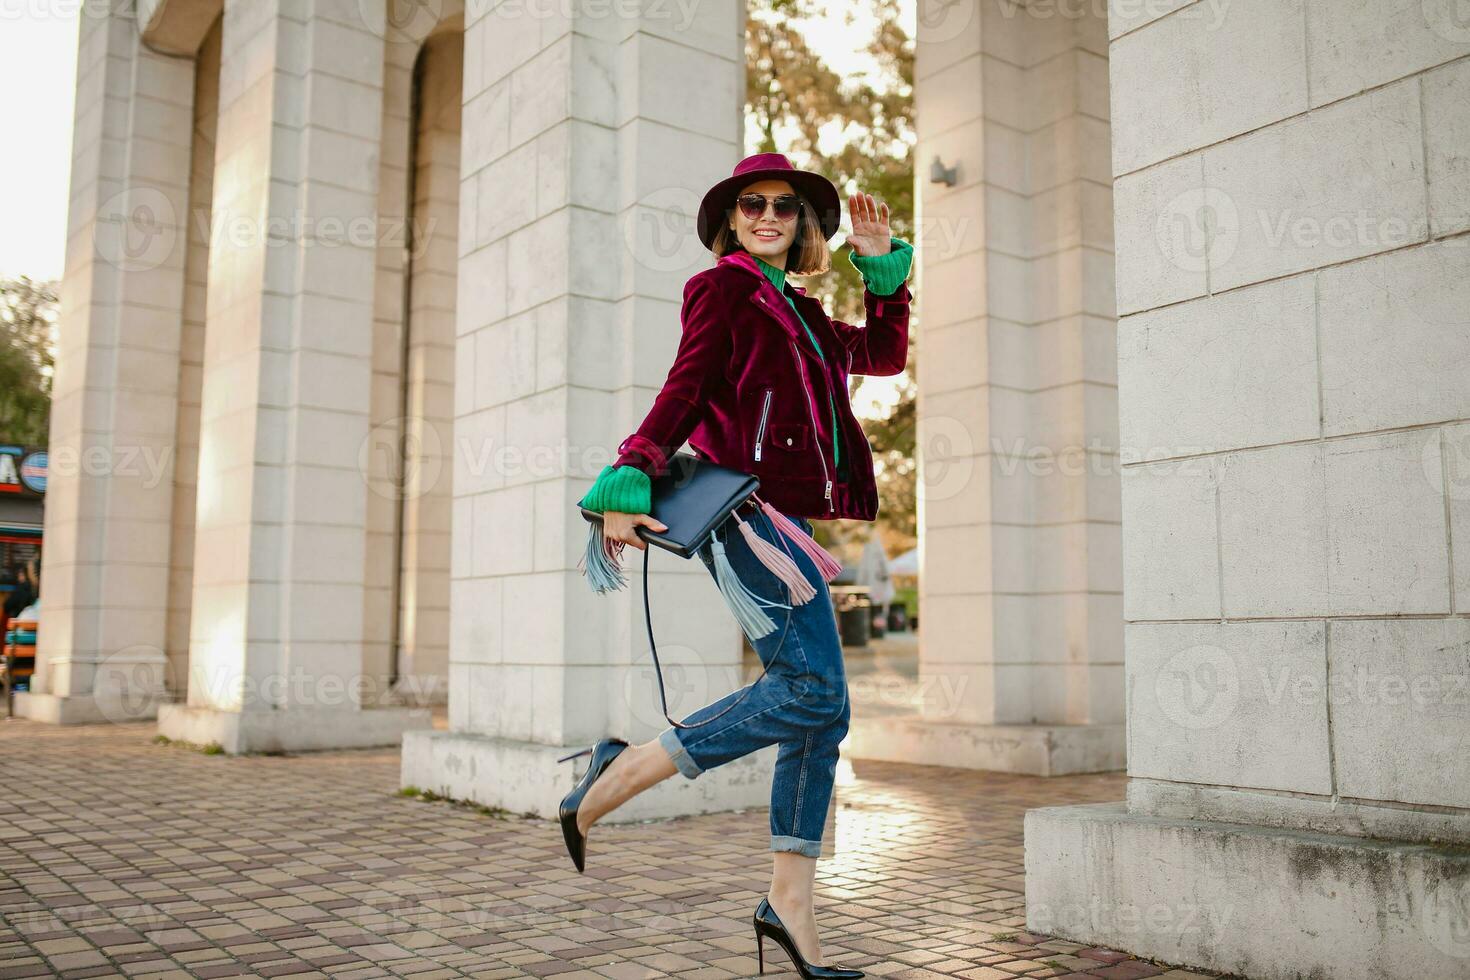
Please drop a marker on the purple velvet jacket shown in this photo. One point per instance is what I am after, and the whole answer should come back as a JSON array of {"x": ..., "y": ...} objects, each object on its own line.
[{"x": 748, "y": 391}]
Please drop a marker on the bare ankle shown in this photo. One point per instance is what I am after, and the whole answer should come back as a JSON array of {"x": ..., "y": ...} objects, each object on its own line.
[
  {"x": 597, "y": 803},
  {"x": 791, "y": 900},
  {"x": 796, "y": 914}
]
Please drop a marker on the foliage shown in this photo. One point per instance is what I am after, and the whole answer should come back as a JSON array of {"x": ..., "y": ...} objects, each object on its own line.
[
  {"x": 28, "y": 312},
  {"x": 894, "y": 441},
  {"x": 908, "y": 597}
]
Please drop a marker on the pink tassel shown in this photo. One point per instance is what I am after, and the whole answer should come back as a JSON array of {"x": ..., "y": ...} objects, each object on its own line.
[
  {"x": 826, "y": 564},
  {"x": 780, "y": 563}
]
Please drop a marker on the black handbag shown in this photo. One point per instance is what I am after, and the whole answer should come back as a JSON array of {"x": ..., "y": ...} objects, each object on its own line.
[
  {"x": 696, "y": 500},
  {"x": 691, "y": 499}
]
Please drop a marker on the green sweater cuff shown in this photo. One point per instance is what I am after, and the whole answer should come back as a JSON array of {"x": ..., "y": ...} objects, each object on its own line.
[
  {"x": 883, "y": 274},
  {"x": 625, "y": 489}
]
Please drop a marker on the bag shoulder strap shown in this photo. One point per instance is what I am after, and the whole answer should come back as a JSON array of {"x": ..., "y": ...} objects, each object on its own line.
[{"x": 658, "y": 669}]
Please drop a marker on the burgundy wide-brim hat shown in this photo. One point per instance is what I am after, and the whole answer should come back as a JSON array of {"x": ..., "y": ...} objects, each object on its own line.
[{"x": 820, "y": 193}]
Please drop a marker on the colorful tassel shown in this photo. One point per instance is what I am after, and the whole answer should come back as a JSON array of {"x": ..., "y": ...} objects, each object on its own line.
[
  {"x": 826, "y": 564},
  {"x": 782, "y": 565},
  {"x": 746, "y": 605},
  {"x": 601, "y": 562}
]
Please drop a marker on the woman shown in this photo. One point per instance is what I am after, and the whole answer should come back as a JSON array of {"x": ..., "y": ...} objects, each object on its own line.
[{"x": 759, "y": 384}]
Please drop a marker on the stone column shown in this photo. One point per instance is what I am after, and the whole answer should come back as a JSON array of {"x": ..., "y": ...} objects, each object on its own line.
[
  {"x": 1020, "y": 651},
  {"x": 406, "y": 604},
  {"x": 1294, "y": 286},
  {"x": 277, "y": 645},
  {"x": 586, "y": 146},
  {"x": 191, "y": 359},
  {"x": 105, "y": 566},
  {"x": 428, "y": 499}
]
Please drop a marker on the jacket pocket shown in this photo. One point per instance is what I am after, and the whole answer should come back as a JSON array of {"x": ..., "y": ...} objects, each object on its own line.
[
  {"x": 791, "y": 436},
  {"x": 761, "y": 426}
]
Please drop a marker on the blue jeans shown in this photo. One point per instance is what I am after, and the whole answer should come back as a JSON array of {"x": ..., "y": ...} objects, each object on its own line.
[{"x": 801, "y": 702}]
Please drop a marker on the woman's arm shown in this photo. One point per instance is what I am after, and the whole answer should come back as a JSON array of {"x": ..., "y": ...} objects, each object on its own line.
[
  {"x": 883, "y": 274},
  {"x": 881, "y": 345},
  {"x": 704, "y": 352},
  {"x": 625, "y": 489}
]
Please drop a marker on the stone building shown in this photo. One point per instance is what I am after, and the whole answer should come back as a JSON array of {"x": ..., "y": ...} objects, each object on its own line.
[
  {"x": 1193, "y": 333},
  {"x": 1291, "y": 191}
]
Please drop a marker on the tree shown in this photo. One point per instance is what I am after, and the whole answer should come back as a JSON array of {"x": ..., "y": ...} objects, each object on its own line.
[
  {"x": 28, "y": 311},
  {"x": 894, "y": 441},
  {"x": 790, "y": 90}
]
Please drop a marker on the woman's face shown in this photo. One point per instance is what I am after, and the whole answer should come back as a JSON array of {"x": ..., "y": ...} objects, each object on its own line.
[{"x": 766, "y": 236}]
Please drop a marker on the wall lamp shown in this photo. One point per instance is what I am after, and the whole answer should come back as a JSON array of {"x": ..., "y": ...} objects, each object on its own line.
[{"x": 940, "y": 174}]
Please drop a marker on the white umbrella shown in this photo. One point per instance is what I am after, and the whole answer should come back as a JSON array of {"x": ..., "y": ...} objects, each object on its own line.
[{"x": 905, "y": 564}]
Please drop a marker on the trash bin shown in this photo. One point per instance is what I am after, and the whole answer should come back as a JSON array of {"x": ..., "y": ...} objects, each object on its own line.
[
  {"x": 854, "y": 614},
  {"x": 898, "y": 617}
]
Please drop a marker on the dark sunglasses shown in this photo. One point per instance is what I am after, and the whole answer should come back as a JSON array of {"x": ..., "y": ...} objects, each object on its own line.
[{"x": 754, "y": 205}]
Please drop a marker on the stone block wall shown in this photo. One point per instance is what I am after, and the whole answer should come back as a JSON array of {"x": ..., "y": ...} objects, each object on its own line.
[
  {"x": 1294, "y": 341},
  {"x": 1293, "y": 282}
]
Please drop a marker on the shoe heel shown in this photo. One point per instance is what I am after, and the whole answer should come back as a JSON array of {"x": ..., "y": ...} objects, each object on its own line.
[
  {"x": 575, "y": 754},
  {"x": 766, "y": 923}
]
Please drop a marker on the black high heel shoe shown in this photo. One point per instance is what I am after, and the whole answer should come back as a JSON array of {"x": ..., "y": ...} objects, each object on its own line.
[
  {"x": 604, "y": 751},
  {"x": 767, "y": 923}
]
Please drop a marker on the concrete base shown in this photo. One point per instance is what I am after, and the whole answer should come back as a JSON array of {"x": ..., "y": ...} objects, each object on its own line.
[
  {"x": 1332, "y": 816},
  {"x": 84, "y": 709},
  {"x": 1266, "y": 903},
  {"x": 524, "y": 777},
  {"x": 1035, "y": 750},
  {"x": 292, "y": 730},
  {"x": 421, "y": 690}
]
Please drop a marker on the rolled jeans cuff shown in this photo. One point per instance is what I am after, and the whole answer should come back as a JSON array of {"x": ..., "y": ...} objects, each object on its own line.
[
  {"x": 811, "y": 848},
  {"x": 669, "y": 739}
]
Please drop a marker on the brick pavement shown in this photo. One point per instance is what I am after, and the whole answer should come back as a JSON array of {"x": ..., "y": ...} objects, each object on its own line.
[{"x": 122, "y": 857}]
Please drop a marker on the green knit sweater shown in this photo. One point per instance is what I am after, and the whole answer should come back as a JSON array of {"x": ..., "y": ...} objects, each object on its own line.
[{"x": 627, "y": 489}]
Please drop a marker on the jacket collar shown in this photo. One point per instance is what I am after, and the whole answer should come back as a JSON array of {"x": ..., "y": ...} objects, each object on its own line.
[
  {"x": 746, "y": 261},
  {"x": 780, "y": 312}
]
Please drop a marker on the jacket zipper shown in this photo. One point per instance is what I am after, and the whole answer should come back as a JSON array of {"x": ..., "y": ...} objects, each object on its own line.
[
  {"x": 760, "y": 432},
  {"x": 816, "y": 430},
  {"x": 812, "y": 412}
]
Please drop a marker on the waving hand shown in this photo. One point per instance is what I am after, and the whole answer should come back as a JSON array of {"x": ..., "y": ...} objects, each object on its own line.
[{"x": 870, "y": 231}]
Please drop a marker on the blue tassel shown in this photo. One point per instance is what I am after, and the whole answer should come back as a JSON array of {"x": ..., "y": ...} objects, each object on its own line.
[
  {"x": 746, "y": 605},
  {"x": 599, "y": 564}
]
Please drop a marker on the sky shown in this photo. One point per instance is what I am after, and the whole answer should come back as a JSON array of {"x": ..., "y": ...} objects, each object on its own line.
[
  {"x": 38, "y": 66},
  {"x": 38, "y": 40}
]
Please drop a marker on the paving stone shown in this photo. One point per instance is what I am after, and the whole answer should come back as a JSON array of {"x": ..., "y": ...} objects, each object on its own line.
[{"x": 152, "y": 861}]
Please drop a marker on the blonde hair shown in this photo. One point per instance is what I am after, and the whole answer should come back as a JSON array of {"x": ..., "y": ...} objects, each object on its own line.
[{"x": 808, "y": 255}]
